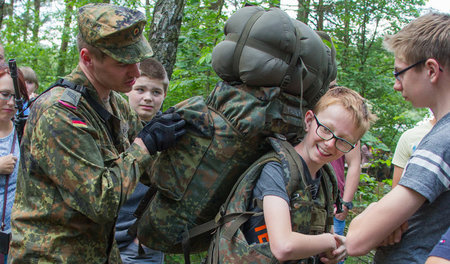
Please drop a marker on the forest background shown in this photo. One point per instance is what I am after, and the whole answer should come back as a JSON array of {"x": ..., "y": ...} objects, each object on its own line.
[{"x": 41, "y": 34}]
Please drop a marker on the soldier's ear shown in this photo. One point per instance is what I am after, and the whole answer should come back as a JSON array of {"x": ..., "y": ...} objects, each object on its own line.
[{"x": 85, "y": 57}]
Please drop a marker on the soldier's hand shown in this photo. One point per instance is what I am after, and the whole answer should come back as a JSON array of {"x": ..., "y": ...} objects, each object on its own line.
[
  {"x": 162, "y": 131},
  {"x": 7, "y": 164}
]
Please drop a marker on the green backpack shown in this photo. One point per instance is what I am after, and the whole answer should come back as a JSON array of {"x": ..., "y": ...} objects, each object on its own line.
[
  {"x": 226, "y": 134},
  {"x": 229, "y": 244}
]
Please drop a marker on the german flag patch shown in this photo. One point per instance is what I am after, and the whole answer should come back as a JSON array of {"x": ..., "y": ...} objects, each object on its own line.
[{"x": 78, "y": 122}]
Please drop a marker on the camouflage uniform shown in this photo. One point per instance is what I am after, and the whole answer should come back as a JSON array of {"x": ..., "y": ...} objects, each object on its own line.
[{"x": 76, "y": 171}]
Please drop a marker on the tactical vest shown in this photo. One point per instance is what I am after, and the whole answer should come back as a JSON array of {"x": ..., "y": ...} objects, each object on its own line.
[{"x": 229, "y": 244}]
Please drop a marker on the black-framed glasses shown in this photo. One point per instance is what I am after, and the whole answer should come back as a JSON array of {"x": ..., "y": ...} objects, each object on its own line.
[
  {"x": 397, "y": 74},
  {"x": 326, "y": 134}
]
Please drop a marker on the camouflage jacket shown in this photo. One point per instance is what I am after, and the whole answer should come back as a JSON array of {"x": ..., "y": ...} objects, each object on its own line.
[{"x": 73, "y": 178}]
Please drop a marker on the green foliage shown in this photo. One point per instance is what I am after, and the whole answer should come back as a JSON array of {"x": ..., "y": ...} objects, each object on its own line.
[{"x": 200, "y": 31}]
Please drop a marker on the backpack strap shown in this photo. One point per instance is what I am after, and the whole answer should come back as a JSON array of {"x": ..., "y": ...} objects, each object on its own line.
[
  {"x": 242, "y": 40},
  {"x": 223, "y": 218},
  {"x": 329, "y": 181}
]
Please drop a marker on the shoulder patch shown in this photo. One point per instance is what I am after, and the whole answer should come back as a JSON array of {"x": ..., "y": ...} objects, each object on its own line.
[
  {"x": 70, "y": 98},
  {"x": 78, "y": 122}
]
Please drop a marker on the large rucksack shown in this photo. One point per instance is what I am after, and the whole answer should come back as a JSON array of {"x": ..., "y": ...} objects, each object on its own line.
[
  {"x": 229, "y": 244},
  {"x": 226, "y": 134}
]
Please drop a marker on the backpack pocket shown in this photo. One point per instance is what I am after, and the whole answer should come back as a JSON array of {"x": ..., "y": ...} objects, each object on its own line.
[
  {"x": 301, "y": 211},
  {"x": 174, "y": 168}
]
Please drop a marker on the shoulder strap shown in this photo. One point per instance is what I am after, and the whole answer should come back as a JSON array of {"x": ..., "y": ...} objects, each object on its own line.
[
  {"x": 222, "y": 218},
  {"x": 101, "y": 111},
  {"x": 242, "y": 40},
  {"x": 5, "y": 194},
  {"x": 330, "y": 183}
]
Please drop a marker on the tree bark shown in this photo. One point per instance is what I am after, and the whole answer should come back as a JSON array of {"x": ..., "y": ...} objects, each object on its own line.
[
  {"x": 2, "y": 12},
  {"x": 65, "y": 39},
  {"x": 37, "y": 20},
  {"x": 165, "y": 30},
  {"x": 320, "y": 14},
  {"x": 303, "y": 10}
]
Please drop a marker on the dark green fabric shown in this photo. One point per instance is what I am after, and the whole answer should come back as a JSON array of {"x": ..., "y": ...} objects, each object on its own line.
[
  {"x": 278, "y": 51},
  {"x": 307, "y": 216},
  {"x": 225, "y": 135}
]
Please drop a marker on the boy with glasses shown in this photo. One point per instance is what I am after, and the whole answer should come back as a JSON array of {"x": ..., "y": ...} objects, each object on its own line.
[
  {"x": 336, "y": 124},
  {"x": 415, "y": 213}
]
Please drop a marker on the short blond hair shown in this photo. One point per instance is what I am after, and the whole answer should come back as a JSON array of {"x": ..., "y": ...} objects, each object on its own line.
[
  {"x": 353, "y": 102},
  {"x": 425, "y": 37}
]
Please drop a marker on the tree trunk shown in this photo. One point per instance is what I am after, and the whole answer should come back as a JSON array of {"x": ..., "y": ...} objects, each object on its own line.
[
  {"x": 320, "y": 14},
  {"x": 65, "y": 39},
  {"x": 303, "y": 10},
  {"x": 345, "y": 57},
  {"x": 2, "y": 12},
  {"x": 26, "y": 21},
  {"x": 217, "y": 6},
  {"x": 165, "y": 30},
  {"x": 37, "y": 20},
  {"x": 11, "y": 9}
]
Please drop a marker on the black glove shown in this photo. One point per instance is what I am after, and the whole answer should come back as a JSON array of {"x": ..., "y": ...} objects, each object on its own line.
[{"x": 162, "y": 131}]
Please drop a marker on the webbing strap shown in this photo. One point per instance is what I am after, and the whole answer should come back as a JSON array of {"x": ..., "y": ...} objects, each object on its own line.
[
  {"x": 5, "y": 197},
  {"x": 262, "y": 46},
  {"x": 101, "y": 111},
  {"x": 206, "y": 227},
  {"x": 287, "y": 79},
  {"x": 295, "y": 166},
  {"x": 242, "y": 40},
  {"x": 237, "y": 222},
  {"x": 98, "y": 108},
  {"x": 143, "y": 204}
]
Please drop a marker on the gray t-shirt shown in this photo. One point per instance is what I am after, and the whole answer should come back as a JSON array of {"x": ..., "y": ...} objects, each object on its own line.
[
  {"x": 272, "y": 182},
  {"x": 428, "y": 173}
]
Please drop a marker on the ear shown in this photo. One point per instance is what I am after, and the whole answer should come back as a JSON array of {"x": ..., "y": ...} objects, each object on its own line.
[
  {"x": 434, "y": 70},
  {"x": 85, "y": 57},
  {"x": 309, "y": 118}
]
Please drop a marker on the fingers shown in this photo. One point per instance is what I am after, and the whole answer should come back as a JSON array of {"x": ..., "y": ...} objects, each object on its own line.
[{"x": 170, "y": 110}]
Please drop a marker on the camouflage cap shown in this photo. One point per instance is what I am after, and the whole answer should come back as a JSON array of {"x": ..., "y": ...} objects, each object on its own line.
[{"x": 115, "y": 30}]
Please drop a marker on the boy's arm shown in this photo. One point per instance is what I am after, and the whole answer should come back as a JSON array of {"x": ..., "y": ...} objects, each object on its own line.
[
  {"x": 398, "y": 171},
  {"x": 379, "y": 220},
  {"x": 286, "y": 244},
  {"x": 353, "y": 159}
]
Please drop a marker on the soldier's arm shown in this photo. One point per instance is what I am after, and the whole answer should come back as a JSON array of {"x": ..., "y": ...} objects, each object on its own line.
[{"x": 89, "y": 176}]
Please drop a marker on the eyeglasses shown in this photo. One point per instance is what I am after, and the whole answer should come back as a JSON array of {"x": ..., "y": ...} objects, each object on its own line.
[
  {"x": 397, "y": 74},
  {"x": 6, "y": 96},
  {"x": 326, "y": 134}
]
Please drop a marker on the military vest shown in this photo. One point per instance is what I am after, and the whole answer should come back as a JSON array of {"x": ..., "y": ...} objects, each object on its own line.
[{"x": 229, "y": 244}]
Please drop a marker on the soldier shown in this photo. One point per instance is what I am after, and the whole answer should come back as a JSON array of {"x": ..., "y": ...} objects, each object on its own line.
[{"x": 80, "y": 162}]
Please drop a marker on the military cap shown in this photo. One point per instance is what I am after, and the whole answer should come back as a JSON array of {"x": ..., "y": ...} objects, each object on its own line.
[{"x": 115, "y": 30}]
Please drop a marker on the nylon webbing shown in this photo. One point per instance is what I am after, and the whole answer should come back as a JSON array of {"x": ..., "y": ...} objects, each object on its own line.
[{"x": 242, "y": 40}]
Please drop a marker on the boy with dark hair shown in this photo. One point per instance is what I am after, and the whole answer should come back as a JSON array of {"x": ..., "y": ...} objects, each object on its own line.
[{"x": 146, "y": 98}]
